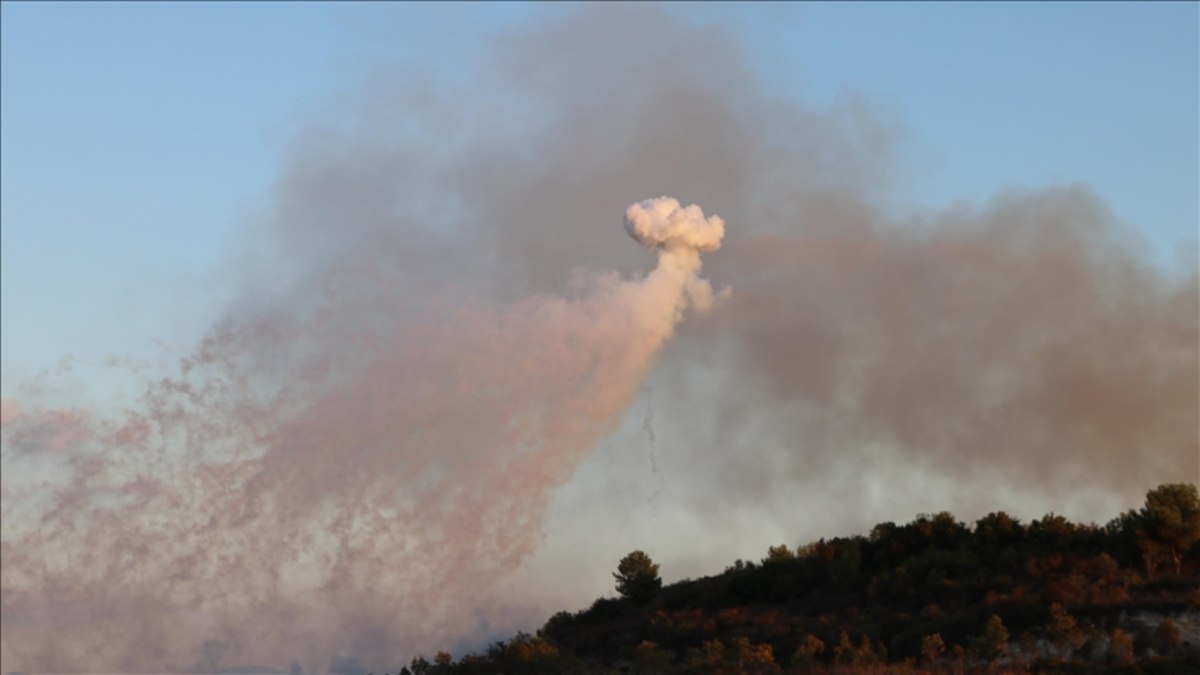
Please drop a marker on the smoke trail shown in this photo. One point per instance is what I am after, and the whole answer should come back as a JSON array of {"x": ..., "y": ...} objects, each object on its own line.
[
  {"x": 648, "y": 427},
  {"x": 355, "y": 506}
]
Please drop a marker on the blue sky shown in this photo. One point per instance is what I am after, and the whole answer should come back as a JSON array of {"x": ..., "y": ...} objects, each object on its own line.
[{"x": 140, "y": 140}]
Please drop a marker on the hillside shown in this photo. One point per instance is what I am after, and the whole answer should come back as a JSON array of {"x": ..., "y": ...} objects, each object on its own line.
[{"x": 932, "y": 595}]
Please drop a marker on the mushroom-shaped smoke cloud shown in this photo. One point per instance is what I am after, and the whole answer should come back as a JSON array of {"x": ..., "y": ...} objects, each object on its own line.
[
  {"x": 680, "y": 233},
  {"x": 663, "y": 222}
]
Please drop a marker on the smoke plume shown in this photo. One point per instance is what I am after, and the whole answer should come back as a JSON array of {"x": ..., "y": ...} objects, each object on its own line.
[
  {"x": 397, "y": 417},
  {"x": 305, "y": 509}
]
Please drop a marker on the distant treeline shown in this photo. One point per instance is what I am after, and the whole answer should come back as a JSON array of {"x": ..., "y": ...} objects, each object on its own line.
[{"x": 934, "y": 594}]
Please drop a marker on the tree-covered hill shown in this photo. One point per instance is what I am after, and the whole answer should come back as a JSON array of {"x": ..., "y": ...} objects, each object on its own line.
[{"x": 934, "y": 594}]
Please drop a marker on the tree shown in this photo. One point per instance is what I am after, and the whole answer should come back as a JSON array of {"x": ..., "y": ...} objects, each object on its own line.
[
  {"x": 1166, "y": 637},
  {"x": 866, "y": 655},
  {"x": 1063, "y": 627},
  {"x": 932, "y": 648},
  {"x": 649, "y": 658},
  {"x": 708, "y": 657},
  {"x": 751, "y": 657},
  {"x": 779, "y": 554},
  {"x": 1051, "y": 532},
  {"x": 526, "y": 654},
  {"x": 1169, "y": 523},
  {"x": 1121, "y": 646},
  {"x": 808, "y": 651},
  {"x": 995, "y": 639},
  {"x": 844, "y": 650},
  {"x": 637, "y": 577},
  {"x": 997, "y": 530}
]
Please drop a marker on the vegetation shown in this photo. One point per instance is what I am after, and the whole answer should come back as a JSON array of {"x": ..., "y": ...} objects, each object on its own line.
[
  {"x": 931, "y": 595},
  {"x": 637, "y": 578}
]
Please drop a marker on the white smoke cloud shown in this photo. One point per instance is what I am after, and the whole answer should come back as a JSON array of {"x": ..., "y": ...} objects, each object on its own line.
[
  {"x": 680, "y": 234},
  {"x": 663, "y": 222}
]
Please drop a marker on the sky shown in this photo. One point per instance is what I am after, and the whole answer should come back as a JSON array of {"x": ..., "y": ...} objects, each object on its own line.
[
  {"x": 247, "y": 244},
  {"x": 139, "y": 140}
]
